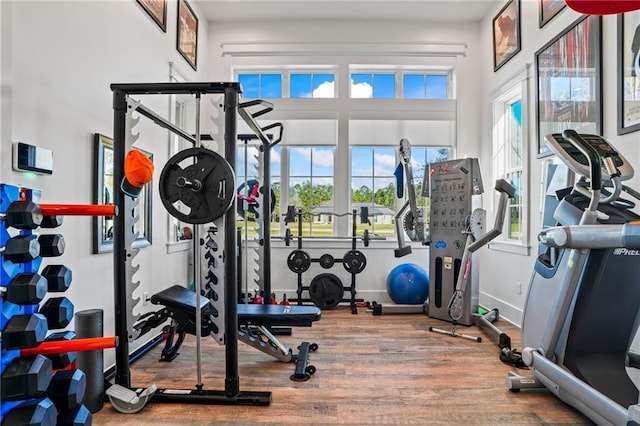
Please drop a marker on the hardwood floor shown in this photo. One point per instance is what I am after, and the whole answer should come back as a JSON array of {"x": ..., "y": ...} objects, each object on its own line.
[{"x": 370, "y": 370}]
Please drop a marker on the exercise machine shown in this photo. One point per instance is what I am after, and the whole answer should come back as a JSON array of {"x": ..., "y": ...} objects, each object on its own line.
[
  {"x": 197, "y": 186},
  {"x": 581, "y": 311},
  {"x": 460, "y": 304}
]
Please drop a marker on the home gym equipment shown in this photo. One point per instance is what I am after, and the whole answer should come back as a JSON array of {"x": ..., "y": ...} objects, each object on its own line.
[
  {"x": 461, "y": 304},
  {"x": 410, "y": 221},
  {"x": 32, "y": 393},
  {"x": 451, "y": 186},
  {"x": 581, "y": 311},
  {"x": 208, "y": 176},
  {"x": 326, "y": 290},
  {"x": 408, "y": 283}
]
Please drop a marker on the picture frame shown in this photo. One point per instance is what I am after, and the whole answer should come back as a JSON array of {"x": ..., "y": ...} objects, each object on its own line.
[
  {"x": 628, "y": 72},
  {"x": 187, "y": 34},
  {"x": 157, "y": 10},
  {"x": 506, "y": 34},
  {"x": 569, "y": 82},
  {"x": 548, "y": 9},
  {"x": 104, "y": 194}
]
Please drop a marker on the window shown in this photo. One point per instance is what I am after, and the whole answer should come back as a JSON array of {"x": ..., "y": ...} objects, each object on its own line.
[
  {"x": 509, "y": 150},
  {"x": 311, "y": 171},
  {"x": 425, "y": 86},
  {"x": 373, "y": 183},
  {"x": 310, "y": 85},
  {"x": 261, "y": 85},
  {"x": 377, "y": 86},
  {"x": 374, "y": 186}
]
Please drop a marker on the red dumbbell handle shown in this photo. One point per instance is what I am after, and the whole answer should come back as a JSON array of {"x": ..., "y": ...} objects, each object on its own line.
[
  {"x": 78, "y": 209},
  {"x": 76, "y": 345}
]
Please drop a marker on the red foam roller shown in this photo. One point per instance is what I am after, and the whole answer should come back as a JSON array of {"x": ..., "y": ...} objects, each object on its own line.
[
  {"x": 76, "y": 345},
  {"x": 78, "y": 209}
]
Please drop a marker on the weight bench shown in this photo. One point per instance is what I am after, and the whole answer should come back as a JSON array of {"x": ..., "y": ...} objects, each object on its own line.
[{"x": 253, "y": 321}]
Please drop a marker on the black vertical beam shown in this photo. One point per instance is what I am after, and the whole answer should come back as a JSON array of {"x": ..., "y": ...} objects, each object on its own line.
[
  {"x": 123, "y": 374},
  {"x": 266, "y": 222},
  {"x": 232, "y": 381}
]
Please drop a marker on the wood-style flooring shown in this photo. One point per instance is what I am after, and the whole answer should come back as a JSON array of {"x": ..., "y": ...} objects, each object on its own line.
[{"x": 370, "y": 370}]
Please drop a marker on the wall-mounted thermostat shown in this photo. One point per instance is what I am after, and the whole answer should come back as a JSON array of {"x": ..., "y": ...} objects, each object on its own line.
[{"x": 30, "y": 158}]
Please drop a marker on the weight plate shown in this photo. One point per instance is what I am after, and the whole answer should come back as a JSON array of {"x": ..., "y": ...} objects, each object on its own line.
[
  {"x": 326, "y": 261},
  {"x": 197, "y": 186},
  {"x": 298, "y": 261},
  {"x": 354, "y": 261},
  {"x": 326, "y": 291}
]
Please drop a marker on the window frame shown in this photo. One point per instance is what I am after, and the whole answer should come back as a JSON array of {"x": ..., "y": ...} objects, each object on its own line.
[{"x": 515, "y": 89}]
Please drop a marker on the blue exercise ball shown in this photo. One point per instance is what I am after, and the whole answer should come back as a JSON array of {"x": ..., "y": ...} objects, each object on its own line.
[{"x": 408, "y": 284}]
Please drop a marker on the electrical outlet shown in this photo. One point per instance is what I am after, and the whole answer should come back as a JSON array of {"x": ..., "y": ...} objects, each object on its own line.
[
  {"x": 518, "y": 288},
  {"x": 145, "y": 298}
]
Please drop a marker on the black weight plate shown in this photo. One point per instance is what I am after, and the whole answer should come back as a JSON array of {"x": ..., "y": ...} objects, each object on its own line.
[
  {"x": 298, "y": 261},
  {"x": 216, "y": 186},
  {"x": 326, "y": 291},
  {"x": 354, "y": 261},
  {"x": 327, "y": 261}
]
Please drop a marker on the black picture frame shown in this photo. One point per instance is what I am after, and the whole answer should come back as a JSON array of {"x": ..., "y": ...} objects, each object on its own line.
[
  {"x": 103, "y": 194},
  {"x": 569, "y": 82},
  {"x": 187, "y": 34},
  {"x": 157, "y": 10},
  {"x": 506, "y": 34},
  {"x": 548, "y": 9},
  {"x": 628, "y": 85}
]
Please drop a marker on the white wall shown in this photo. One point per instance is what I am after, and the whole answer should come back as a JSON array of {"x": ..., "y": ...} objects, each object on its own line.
[
  {"x": 58, "y": 60},
  {"x": 500, "y": 271}
]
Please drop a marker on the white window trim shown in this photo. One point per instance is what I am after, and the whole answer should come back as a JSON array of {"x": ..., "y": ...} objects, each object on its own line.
[{"x": 519, "y": 82}]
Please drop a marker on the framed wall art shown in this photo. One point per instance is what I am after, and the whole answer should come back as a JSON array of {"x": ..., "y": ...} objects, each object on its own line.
[
  {"x": 506, "y": 33},
  {"x": 628, "y": 72},
  {"x": 547, "y": 9},
  {"x": 187, "y": 43},
  {"x": 157, "y": 10},
  {"x": 104, "y": 194},
  {"x": 569, "y": 82}
]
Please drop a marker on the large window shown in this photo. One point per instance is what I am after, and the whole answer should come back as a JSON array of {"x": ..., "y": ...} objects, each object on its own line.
[
  {"x": 509, "y": 151},
  {"x": 311, "y": 171}
]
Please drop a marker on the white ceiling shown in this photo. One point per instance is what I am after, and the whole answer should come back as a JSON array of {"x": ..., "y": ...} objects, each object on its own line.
[{"x": 462, "y": 11}]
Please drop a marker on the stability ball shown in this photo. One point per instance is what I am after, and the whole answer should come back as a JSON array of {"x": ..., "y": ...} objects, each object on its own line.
[{"x": 408, "y": 284}]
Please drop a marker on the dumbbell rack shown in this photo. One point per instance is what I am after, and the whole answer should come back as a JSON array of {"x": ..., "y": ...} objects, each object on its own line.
[
  {"x": 353, "y": 261},
  {"x": 35, "y": 388}
]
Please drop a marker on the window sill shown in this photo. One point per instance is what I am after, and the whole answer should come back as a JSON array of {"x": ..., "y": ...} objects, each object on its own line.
[{"x": 513, "y": 248}]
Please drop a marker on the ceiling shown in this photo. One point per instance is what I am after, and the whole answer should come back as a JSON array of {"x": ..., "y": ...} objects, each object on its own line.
[{"x": 461, "y": 11}]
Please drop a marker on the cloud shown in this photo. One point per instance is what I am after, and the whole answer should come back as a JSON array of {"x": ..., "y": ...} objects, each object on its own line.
[
  {"x": 325, "y": 90},
  {"x": 385, "y": 164},
  {"x": 361, "y": 90}
]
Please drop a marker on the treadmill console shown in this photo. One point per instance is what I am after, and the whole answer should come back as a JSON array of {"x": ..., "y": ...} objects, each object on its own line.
[{"x": 578, "y": 162}]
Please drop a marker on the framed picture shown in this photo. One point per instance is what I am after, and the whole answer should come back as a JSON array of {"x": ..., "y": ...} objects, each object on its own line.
[
  {"x": 548, "y": 9},
  {"x": 569, "y": 82},
  {"x": 506, "y": 33},
  {"x": 157, "y": 10},
  {"x": 187, "y": 33},
  {"x": 103, "y": 194},
  {"x": 628, "y": 72}
]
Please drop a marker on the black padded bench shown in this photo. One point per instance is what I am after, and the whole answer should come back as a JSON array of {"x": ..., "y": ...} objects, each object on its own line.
[
  {"x": 178, "y": 298},
  {"x": 179, "y": 303}
]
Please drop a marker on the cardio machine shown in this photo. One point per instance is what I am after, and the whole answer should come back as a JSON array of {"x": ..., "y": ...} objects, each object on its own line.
[{"x": 581, "y": 311}]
